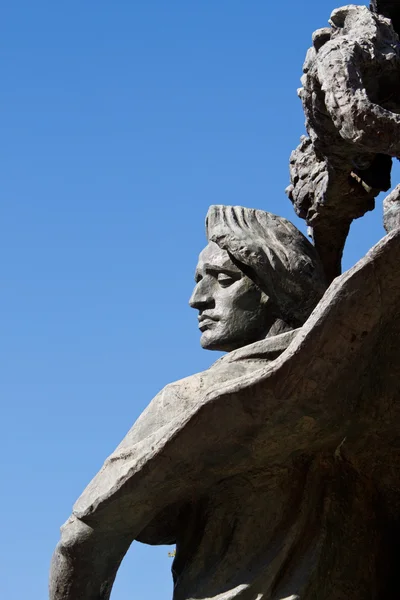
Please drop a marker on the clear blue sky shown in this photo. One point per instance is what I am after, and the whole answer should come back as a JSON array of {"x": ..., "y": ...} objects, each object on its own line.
[{"x": 121, "y": 123}]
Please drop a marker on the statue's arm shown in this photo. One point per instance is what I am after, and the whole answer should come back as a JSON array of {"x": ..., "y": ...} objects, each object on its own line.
[
  {"x": 85, "y": 561},
  {"x": 87, "y": 558},
  {"x": 121, "y": 504}
]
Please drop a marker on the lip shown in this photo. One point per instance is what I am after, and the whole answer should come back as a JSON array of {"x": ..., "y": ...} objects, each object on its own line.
[
  {"x": 206, "y": 321},
  {"x": 204, "y": 317},
  {"x": 206, "y": 324}
]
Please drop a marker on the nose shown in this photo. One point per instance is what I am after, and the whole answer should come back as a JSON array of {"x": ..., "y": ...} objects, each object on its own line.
[{"x": 201, "y": 297}]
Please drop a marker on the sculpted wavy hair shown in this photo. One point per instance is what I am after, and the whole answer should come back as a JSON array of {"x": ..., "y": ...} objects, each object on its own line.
[{"x": 274, "y": 254}]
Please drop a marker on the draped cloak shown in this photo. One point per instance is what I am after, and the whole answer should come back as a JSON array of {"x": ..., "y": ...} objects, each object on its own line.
[{"x": 277, "y": 470}]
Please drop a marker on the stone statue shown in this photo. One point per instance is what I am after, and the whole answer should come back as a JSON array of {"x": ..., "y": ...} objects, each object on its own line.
[
  {"x": 258, "y": 280},
  {"x": 276, "y": 472}
]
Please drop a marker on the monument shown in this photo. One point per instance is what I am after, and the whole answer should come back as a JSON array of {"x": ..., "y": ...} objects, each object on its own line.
[{"x": 276, "y": 472}]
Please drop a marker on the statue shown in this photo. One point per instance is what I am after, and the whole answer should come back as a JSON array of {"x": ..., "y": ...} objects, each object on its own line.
[
  {"x": 258, "y": 280},
  {"x": 277, "y": 470},
  {"x": 274, "y": 470}
]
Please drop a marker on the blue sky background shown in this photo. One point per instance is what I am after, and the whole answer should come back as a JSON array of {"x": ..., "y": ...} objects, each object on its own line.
[{"x": 121, "y": 123}]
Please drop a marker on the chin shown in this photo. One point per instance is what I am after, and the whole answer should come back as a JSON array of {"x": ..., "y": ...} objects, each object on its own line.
[{"x": 209, "y": 342}]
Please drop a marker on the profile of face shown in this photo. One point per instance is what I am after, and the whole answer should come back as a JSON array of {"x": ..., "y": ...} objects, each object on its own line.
[{"x": 233, "y": 311}]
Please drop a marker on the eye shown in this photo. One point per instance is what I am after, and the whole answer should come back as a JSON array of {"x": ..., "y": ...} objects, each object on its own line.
[{"x": 225, "y": 280}]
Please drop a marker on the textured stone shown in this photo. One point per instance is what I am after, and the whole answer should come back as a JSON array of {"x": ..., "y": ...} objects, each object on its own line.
[
  {"x": 274, "y": 254},
  {"x": 391, "y": 210},
  {"x": 351, "y": 99},
  {"x": 277, "y": 470}
]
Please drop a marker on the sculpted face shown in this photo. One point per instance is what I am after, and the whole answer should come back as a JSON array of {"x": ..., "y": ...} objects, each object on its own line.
[{"x": 233, "y": 311}]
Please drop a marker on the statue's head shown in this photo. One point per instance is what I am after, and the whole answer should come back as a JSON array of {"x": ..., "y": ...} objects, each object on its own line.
[{"x": 257, "y": 277}]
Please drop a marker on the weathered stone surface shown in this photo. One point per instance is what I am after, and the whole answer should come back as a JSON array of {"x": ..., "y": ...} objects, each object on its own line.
[
  {"x": 351, "y": 99},
  {"x": 277, "y": 470},
  {"x": 391, "y": 210},
  {"x": 318, "y": 191}
]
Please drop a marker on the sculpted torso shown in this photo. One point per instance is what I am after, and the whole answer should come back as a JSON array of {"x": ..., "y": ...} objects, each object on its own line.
[{"x": 256, "y": 468}]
